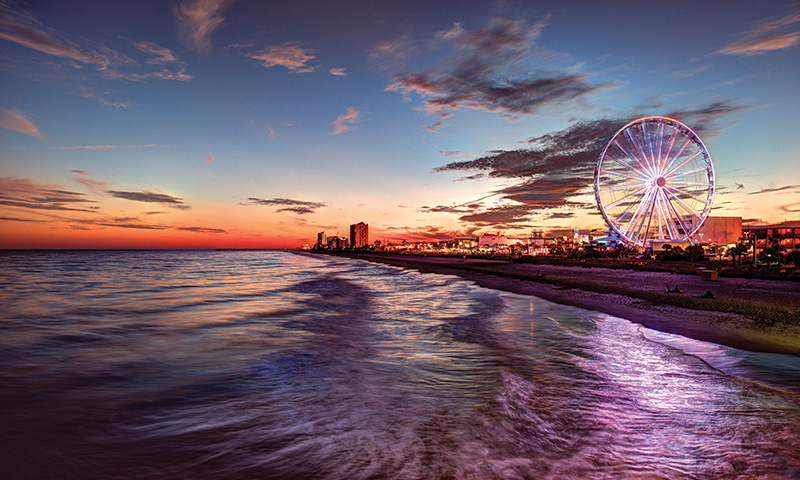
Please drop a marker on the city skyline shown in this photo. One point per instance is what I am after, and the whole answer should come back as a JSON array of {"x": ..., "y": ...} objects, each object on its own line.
[{"x": 219, "y": 123}]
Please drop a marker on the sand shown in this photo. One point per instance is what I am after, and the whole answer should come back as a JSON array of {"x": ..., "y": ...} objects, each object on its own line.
[{"x": 545, "y": 281}]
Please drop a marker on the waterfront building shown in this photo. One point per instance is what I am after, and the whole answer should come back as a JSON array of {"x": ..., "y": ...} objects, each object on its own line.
[
  {"x": 492, "y": 240},
  {"x": 337, "y": 243},
  {"x": 359, "y": 235},
  {"x": 322, "y": 239},
  {"x": 785, "y": 234},
  {"x": 719, "y": 230}
]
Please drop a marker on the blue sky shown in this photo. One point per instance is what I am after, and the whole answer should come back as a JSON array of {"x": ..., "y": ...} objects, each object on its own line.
[{"x": 243, "y": 123}]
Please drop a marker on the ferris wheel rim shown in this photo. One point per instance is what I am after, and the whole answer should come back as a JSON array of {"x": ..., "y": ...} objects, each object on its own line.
[{"x": 657, "y": 194}]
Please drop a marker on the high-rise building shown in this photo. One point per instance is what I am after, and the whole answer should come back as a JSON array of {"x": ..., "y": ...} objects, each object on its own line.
[
  {"x": 359, "y": 235},
  {"x": 322, "y": 239}
]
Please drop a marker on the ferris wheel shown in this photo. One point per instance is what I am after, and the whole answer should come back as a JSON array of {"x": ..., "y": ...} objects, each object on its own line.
[{"x": 654, "y": 181}]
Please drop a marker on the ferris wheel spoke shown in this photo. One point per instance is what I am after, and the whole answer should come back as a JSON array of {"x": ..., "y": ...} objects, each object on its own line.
[
  {"x": 642, "y": 174},
  {"x": 677, "y": 155},
  {"x": 648, "y": 139},
  {"x": 685, "y": 205},
  {"x": 617, "y": 201},
  {"x": 683, "y": 174},
  {"x": 649, "y": 219},
  {"x": 610, "y": 172},
  {"x": 690, "y": 184},
  {"x": 679, "y": 217},
  {"x": 643, "y": 205},
  {"x": 663, "y": 219},
  {"x": 669, "y": 148},
  {"x": 660, "y": 143},
  {"x": 686, "y": 230},
  {"x": 627, "y": 153},
  {"x": 692, "y": 157},
  {"x": 638, "y": 149},
  {"x": 669, "y": 217},
  {"x": 684, "y": 192},
  {"x": 619, "y": 217},
  {"x": 651, "y": 142}
]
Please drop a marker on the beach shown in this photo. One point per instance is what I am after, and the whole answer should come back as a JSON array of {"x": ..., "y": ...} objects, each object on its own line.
[{"x": 600, "y": 287}]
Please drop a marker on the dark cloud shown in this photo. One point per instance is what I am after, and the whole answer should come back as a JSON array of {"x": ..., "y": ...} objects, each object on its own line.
[
  {"x": 705, "y": 121},
  {"x": 776, "y": 189},
  {"x": 499, "y": 216},
  {"x": 297, "y": 210},
  {"x": 132, "y": 225},
  {"x": 299, "y": 207},
  {"x": 795, "y": 208},
  {"x": 149, "y": 197},
  {"x": 489, "y": 74},
  {"x": 25, "y": 193},
  {"x": 559, "y": 215},
  {"x": 15, "y": 219},
  {"x": 201, "y": 229},
  {"x": 138, "y": 224},
  {"x": 425, "y": 234}
]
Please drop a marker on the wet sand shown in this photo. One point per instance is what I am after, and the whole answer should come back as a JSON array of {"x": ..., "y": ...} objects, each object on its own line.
[{"x": 551, "y": 282}]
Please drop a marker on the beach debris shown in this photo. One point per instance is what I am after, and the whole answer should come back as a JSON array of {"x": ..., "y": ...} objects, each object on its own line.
[
  {"x": 708, "y": 294},
  {"x": 677, "y": 289}
]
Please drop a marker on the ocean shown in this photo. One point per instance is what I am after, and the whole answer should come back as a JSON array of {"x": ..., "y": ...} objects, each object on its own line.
[{"x": 277, "y": 365}]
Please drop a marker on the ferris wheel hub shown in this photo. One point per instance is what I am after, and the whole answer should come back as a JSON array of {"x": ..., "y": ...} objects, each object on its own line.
[{"x": 661, "y": 181}]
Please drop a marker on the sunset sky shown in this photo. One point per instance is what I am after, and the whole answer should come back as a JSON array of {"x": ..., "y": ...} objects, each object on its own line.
[{"x": 215, "y": 123}]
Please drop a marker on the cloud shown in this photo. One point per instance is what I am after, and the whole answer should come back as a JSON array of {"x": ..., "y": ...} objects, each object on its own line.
[
  {"x": 392, "y": 54},
  {"x": 94, "y": 184},
  {"x": 692, "y": 72},
  {"x": 21, "y": 27},
  {"x": 201, "y": 229},
  {"x": 777, "y": 189},
  {"x": 769, "y": 35},
  {"x": 138, "y": 224},
  {"x": 16, "y": 219},
  {"x": 161, "y": 54},
  {"x": 210, "y": 157},
  {"x": 180, "y": 75},
  {"x": 16, "y": 120},
  {"x": 80, "y": 172},
  {"x": 791, "y": 208},
  {"x": 149, "y": 197},
  {"x": 455, "y": 32},
  {"x": 25, "y": 31},
  {"x": 197, "y": 20},
  {"x": 343, "y": 122},
  {"x": 705, "y": 121},
  {"x": 499, "y": 216},
  {"x": 340, "y": 72},
  {"x": 292, "y": 55},
  {"x": 297, "y": 210},
  {"x": 490, "y": 74},
  {"x": 428, "y": 233},
  {"x": 433, "y": 128},
  {"x": 25, "y": 193},
  {"x": 297, "y": 206}
]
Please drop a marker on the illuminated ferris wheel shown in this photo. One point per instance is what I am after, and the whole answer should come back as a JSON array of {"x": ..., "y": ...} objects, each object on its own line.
[{"x": 654, "y": 181}]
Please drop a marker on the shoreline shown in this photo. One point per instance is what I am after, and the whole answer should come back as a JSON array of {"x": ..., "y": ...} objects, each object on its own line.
[{"x": 642, "y": 298}]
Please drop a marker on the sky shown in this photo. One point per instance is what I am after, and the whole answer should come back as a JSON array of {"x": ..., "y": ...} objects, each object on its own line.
[{"x": 250, "y": 124}]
